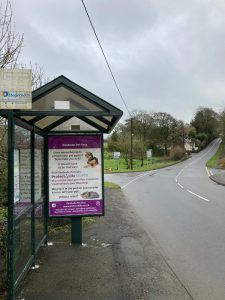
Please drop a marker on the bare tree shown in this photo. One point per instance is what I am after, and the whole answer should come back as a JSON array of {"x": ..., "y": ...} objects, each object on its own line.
[
  {"x": 38, "y": 77},
  {"x": 10, "y": 41}
]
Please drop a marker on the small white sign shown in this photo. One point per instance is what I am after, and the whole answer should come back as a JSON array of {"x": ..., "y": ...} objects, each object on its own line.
[
  {"x": 149, "y": 153},
  {"x": 62, "y": 104},
  {"x": 15, "y": 89},
  {"x": 116, "y": 155}
]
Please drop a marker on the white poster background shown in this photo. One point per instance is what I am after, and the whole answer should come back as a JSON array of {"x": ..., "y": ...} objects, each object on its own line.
[
  {"x": 71, "y": 177},
  {"x": 16, "y": 176}
]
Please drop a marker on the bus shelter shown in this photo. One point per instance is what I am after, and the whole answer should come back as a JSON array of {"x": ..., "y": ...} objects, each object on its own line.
[{"x": 66, "y": 123}]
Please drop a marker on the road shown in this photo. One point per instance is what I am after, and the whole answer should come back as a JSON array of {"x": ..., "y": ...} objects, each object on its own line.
[{"x": 183, "y": 211}]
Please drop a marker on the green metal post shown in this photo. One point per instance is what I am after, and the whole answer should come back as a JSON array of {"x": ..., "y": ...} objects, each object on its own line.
[
  {"x": 76, "y": 230},
  {"x": 10, "y": 241},
  {"x": 103, "y": 181},
  {"x": 32, "y": 197},
  {"x": 46, "y": 186}
]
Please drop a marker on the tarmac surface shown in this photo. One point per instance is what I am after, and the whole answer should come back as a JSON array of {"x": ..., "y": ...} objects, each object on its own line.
[
  {"x": 117, "y": 261},
  {"x": 218, "y": 176}
]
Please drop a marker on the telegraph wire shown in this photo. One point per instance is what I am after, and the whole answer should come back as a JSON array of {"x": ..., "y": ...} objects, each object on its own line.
[{"x": 106, "y": 60}]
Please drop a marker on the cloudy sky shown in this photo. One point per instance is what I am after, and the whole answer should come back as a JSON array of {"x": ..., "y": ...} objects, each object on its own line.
[{"x": 166, "y": 55}]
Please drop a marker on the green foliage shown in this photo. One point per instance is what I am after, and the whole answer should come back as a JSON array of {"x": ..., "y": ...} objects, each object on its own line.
[
  {"x": 206, "y": 121},
  {"x": 164, "y": 125},
  {"x": 111, "y": 185},
  {"x": 192, "y": 133},
  {"x": 153, "y": 164},
  {"x": 222, "y": 125},
  {"x": 216, "y": 161},
  {"x": 105, "y": 145},
  {"x": 202, "y": 136},
  {"x": 3, "y": 190},
  {"x": 108, "y": 155},
  {"x": 88, "y": 220},
  {"x": 3, "y": 257},
  {"x": 3, "y": 213}
]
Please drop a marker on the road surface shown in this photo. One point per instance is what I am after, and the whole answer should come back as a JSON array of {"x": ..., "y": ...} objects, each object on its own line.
[{"x": 183, "y": 211}]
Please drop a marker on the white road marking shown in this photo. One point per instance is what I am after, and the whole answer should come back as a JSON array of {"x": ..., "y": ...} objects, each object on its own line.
[
  {"x": 197, "y": 159},
  {"x": 136, "y": 178},
  {"x": 208, "y": 172},
  {"x": 180, "y": 185},
  {"x": 198, "y": 196}
]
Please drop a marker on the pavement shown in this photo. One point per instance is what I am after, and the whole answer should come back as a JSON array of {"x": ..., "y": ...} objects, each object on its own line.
[
  {"x": 117, "y": 261},
  {"x": 218, "y": 176}
]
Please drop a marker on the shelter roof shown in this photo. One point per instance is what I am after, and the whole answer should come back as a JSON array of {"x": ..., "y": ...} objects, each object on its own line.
[{"x": 63, "y": 105}]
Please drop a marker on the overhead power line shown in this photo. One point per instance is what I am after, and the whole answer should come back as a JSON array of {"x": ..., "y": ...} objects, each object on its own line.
[{"x": 106, "y": 60}]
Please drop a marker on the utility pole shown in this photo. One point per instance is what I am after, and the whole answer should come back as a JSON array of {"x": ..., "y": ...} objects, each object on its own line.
[{"x": 131, "y": 143}]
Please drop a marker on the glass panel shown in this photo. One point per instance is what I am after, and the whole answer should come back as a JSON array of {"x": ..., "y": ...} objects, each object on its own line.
[
  {"x": 67, "y": 125},
  {"x": 28, "y": 118},
  {"x": 22, "y": 172},
  {"x": 76, "y": 102},
  {"x": 39, "y": 224},
  {"x": 47, "y": 121},
  {"x": 109, "y": 118},
  {"x": 100, "y": 123},
  {"x": 39, "y": 189},
  {"x": 22, "y": 199},
  {"x": 39, "y": 167},
  {"x": 22, "y": 244}
]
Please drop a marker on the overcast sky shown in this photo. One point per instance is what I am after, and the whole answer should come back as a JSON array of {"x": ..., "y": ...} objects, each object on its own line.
[{"x": 167, "y": 55}]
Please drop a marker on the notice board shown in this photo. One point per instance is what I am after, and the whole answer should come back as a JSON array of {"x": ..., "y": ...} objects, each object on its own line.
[{"x": 75, "y": 175}]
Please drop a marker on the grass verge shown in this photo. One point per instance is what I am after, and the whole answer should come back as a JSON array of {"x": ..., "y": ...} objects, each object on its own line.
[
  {"x": 213, "y": 162},
  {"x": 111, "y": 185},
  {"x": 156, "y": 164}
]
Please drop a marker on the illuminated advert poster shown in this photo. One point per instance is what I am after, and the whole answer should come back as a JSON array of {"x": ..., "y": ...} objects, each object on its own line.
[{"x": 75, "y": 176}]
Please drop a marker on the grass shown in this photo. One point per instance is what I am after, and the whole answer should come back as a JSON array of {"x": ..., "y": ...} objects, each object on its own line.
[
  {"x": 111, "y": 165},
  {"x": 213, "y": 162},
  {"x": 3, "y": 213},
  {"x": 111, "y": 185},
  {"x": 88, "y": 220}
]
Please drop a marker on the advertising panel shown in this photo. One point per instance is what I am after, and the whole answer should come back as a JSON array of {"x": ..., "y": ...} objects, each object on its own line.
[
  {"x": 15, "y": 89},
  {"x": 75, "y": 175}
]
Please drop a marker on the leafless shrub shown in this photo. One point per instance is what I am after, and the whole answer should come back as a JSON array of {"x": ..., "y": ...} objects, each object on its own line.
[
  {"x": 222, "y": 163},
  {"x": 177, "y": 152}
]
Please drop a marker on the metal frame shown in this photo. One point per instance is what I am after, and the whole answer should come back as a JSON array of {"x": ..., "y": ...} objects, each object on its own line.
[
  {"x": 102, "y": 159},
  {"x": 12, "y": 282},
  {"x": 16, "y": 117}
]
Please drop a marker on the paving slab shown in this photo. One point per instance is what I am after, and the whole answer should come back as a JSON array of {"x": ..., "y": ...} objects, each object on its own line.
[{"x": 118, "y": 261}]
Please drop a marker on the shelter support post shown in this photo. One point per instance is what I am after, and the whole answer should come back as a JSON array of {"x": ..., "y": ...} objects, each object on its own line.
[
  {"x": 76, "y": 230},
  {"x": 10, "y": 247},
  {"x": 33, "y": 197},
  {"x": 46, "y": 187}
]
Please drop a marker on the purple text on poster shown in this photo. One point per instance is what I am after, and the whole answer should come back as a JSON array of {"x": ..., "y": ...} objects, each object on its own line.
[
  {"x": 70, "y": 208},
  {"x": 74, "y": 142}
]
